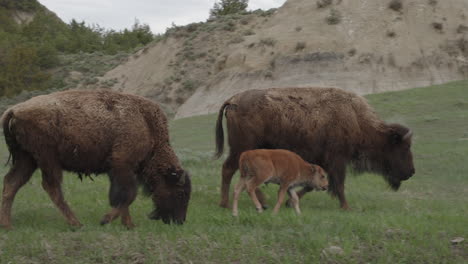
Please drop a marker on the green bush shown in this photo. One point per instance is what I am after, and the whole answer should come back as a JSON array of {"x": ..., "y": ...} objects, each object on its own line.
[{"x": 228, "y": 7}]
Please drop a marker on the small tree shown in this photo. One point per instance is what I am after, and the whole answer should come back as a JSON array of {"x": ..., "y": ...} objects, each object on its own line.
[{"x": 227, "y": 7}]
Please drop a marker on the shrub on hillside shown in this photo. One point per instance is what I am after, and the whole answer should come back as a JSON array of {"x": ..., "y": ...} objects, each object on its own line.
[
  {"x": 323, "y": 3},
  {"x": 395, "y": 5},
  {"x": 334, "y": 17},
  {"x": 228, "y": 7}
]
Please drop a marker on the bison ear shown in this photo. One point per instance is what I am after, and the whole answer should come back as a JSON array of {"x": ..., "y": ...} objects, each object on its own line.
[
  {"x": 395, "y": 138},
  {"x": 182, "y": 177}
]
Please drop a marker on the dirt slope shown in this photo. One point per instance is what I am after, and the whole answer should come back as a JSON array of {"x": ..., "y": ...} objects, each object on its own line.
[{"x": 366, "y": 46}]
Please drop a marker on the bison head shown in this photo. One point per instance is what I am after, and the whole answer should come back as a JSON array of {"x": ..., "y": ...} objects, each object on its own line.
[
  {"x": 397, "y": 164},
  {"x": 171, "y": 197}
]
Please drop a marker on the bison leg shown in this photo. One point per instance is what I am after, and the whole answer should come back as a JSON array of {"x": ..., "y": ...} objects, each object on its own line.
[
  {"x": 229, "y": 168},
  {"x": 123, "y": 191},
  {"x": 51, "y": 182},
  {"x": 336, "y": 178},
  {"x": 126, "y": 218},
  {"x": 18, "y": 175},
  {"x": 111, "y": 216}
]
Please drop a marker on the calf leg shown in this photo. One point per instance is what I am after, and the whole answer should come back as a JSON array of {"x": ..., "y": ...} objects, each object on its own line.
[
  {"x": 281, "y": 193},
  {"x": 299, "y": 194},
  {"x": 237, "y": 191},
  {"x": 17, "y": 176},
  {"x": 295, "y": 200},
  {"x": 51, "y": 182},
  {"x": 122, "y": 193},
  {"x": 251, "y": 187}
]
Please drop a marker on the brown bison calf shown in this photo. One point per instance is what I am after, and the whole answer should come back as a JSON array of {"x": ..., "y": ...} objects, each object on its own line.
[
  {"x": 86, "y": 132},
  {"x": 278, "y": 166}
]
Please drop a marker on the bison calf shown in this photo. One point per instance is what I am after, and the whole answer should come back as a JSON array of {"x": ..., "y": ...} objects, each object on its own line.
[
  {"x": 278, "y": 166},
  {"x": 86, "y": 132}
]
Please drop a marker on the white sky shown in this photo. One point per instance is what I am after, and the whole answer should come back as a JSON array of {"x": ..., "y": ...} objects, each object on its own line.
[{"x": 158, "y": 14}]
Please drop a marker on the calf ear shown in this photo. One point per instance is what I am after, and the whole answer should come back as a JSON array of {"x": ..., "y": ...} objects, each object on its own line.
[{"x": 312, "y": 168}]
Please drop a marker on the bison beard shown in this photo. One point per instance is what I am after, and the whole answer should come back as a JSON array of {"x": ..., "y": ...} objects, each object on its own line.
[
  {"x": 86, "y": 132},
  {"x": 326, "y": 126}
]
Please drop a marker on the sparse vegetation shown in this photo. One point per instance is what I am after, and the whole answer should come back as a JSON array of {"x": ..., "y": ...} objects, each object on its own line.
[
  {"x": 236, "y": 40},
  {"x": 298, "y": 28},
  {"x": 352, "y": 52},
  {"x": 437, "y": 26},
  {"x": 248, "y": 32},
  {"x": 395, "y": 5},
  {"x": 300, "y": 46},
  {"x": 432, "y": 2},
  {"x": 462, "y": 29},
  {"x": 267, "y": 42},
  {"x": 324, "y": 3},
  {"x": 391, "y": 34},
  {"x": 334, "y": 17}
]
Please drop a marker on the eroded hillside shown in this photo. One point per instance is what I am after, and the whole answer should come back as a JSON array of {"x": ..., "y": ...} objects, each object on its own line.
[{"x": 364, "y": 46}]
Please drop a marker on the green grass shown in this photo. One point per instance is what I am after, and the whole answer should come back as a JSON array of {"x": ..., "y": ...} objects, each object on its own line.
[{"x": 413, "y": 225}]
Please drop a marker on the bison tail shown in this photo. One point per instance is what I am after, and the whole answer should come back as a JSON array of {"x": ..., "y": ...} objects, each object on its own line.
[
  {"x": 220, "y": 132},
  {"x": 12, "y": 144}
]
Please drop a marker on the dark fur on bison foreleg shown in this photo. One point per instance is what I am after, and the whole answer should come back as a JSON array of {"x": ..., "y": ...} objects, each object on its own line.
[
  {"x": 123, "y": 191},
  {"x": 336, "y": 177}
]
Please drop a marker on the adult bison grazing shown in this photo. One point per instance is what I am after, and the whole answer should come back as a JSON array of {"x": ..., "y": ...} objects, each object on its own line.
[
  {"x": 326, "y": 126},
  {"x": 123, "y": 135}
]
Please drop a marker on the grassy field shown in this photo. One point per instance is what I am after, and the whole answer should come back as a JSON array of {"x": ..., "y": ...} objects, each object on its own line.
[{"x": 413, "y": 225}]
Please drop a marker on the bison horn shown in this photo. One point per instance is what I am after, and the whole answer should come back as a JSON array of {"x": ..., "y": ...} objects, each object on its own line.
[
  {"x": 408, "y": 135},
  {"x": 181, "y": 179}
]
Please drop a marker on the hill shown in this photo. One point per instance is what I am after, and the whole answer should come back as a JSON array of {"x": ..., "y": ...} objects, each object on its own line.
[
  {"x": 363, "y": 46},
  {"x": 39, "y": 53}
]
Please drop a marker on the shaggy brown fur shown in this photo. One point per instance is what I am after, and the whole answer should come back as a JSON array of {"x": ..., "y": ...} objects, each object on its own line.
[
  {"x": 279, "y": 166},
  {"x": 326, "y": 126},
  {"x": 123, "y": 135}
]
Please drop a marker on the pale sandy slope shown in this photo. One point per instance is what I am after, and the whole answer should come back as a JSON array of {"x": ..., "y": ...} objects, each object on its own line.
[{"x": 372, "y": 49}]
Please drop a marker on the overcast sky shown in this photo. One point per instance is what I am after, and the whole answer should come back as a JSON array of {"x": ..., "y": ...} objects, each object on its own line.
[{"x": 158, "y": 14}]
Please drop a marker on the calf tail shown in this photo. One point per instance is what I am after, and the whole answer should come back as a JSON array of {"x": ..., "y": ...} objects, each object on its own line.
[
  {"x": 220, "y": 132},
  {"x": 13, "y": 146}
]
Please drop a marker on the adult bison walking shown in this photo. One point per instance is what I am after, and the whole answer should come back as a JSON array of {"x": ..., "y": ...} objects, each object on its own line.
[
  {"x": 123, "y": 135},
  {"x": 326, "y": 126}
]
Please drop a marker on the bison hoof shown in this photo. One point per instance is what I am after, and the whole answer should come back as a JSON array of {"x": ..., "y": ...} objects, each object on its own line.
[
  {"x": 130, "y": 226},
  {"x": 289, "y": 204},
  {"x": 224, "y": 205},
  {"x": 264, "y": 206},
  {"x": 104, "y": 221},
  {"x": 5, "y": 226}
]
